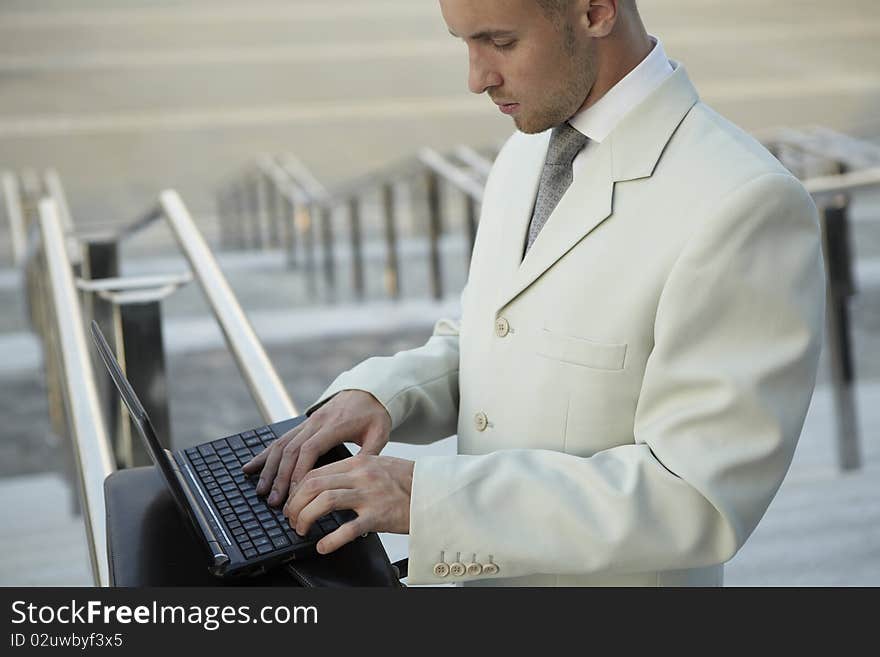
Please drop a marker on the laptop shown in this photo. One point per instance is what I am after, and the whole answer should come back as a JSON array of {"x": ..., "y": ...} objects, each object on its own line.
[{"x": 241, "y": 533}]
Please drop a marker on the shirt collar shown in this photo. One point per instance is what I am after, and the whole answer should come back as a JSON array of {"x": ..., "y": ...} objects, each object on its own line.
[{"x": 598, "y": 120}]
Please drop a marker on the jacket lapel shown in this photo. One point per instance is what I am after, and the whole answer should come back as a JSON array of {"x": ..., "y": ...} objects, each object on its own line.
[{"x": 630, "y": 152}]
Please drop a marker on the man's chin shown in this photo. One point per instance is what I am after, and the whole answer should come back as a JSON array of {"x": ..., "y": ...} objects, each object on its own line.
[{"x": 529, "y": 127}]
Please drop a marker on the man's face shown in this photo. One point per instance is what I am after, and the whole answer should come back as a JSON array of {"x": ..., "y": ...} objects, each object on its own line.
[{"x": 538, "y": 71}]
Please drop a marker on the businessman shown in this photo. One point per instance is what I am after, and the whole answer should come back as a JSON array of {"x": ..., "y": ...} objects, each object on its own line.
[{"x": 639, "y": 337}]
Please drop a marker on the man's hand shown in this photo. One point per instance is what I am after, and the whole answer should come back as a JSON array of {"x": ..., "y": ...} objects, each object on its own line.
[
  {"x": 377, "y": 488},
  {"x": 351, "y": 416}
]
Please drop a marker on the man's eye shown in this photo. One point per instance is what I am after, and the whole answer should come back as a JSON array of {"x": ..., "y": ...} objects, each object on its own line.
[{"x": 504, "y": 46}]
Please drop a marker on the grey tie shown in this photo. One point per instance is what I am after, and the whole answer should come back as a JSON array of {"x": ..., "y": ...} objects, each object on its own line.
[{"x": 565, "y": 144}]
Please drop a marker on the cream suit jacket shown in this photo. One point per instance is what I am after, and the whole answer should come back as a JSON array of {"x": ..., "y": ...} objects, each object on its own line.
[{"x": 627, "y": 398}]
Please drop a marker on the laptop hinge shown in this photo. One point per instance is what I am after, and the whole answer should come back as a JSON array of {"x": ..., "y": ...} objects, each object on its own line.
[{"x": 209, "y": 524}]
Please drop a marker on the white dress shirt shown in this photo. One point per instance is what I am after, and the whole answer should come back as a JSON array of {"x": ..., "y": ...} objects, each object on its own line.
[{"x": 598, "y": 120}]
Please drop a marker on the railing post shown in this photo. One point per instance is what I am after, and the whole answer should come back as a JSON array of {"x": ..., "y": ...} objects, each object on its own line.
[
  {"x": 434, "y": 230},
  {"x": 325, "y": 214},
  {"x": 244, "y": 217},
  {"x": 838, "y": 265},
  {"x": 255, "y": 239},
  {"x": 100, "y": 259},
  {"x": 357, "y": 259},
  {"x": 306, "y": 221},
  {"x": 288, "y": 230},
  {"x": 272, "y": 210},
  {"x": 143, "y": 358},
  {"x": 15, "y": 216},
  {"x": 392, "y": 266},
  {"x": 221, "y": 203}
]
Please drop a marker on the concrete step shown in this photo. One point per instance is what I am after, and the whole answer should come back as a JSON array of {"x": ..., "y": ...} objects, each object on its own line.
[{"x": 41, "y": 542}]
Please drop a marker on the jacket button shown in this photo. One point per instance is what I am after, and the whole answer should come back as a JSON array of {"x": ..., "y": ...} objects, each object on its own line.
[
  {"x": 474, "y": 569},
  {"x": 490, "y": 569},
  {"x": 481, "y": 421},
  {"x": 457, "y": 569},
  {"x": 502, "y": 327},
  {"x": 441, "y": 569}
]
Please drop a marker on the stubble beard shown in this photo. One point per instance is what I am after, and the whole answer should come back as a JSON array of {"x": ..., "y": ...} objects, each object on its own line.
[{"x": 561, "y": 104}]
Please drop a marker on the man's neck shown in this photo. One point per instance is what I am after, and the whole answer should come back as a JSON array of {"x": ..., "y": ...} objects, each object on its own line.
[{"x": 616, "y": 59}]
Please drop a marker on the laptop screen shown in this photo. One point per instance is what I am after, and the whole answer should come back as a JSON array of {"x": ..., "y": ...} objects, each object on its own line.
[{"x": 161, "y": 457}]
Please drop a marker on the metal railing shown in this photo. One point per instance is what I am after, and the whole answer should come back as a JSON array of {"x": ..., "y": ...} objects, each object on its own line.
[
  {"x": 833, "y": 167},
  {"x": 69, "y": 353},
  {"x": 280, "y": 199},
  {"x": 78, "y": 404}
]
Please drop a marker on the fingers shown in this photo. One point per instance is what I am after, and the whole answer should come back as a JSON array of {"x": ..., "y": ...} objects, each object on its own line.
[
  {"x": 272, "y": 458},
  {"x": 254, "y": 465},
  {"x": 317, "y": 482},
  {"x": 324, "y": 503},
  {"x": 313, "y": 448},
  {"x": 346, "y": 533}
]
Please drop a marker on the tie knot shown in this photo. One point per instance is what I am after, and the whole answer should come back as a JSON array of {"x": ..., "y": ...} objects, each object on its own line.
[{"x": 565, "y": 144}]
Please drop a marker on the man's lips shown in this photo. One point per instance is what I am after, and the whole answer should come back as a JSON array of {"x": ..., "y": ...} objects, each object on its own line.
[{"x": 507, "y": 108}]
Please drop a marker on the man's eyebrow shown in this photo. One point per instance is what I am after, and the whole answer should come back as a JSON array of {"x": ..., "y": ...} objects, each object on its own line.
[{"x": 487, "y": 34}]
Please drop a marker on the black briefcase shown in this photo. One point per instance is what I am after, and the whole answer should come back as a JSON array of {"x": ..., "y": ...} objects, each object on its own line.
[{"x": 150, "y": 544}]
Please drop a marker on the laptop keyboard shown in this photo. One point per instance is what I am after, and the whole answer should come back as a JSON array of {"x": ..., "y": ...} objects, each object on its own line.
[{"x": 257, "y": 527}]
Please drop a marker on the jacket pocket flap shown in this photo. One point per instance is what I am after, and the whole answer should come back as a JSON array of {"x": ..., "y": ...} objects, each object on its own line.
[{"x": 581, "y": 351}]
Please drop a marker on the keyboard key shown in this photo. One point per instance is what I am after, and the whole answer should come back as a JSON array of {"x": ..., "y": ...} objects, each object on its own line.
[
  {"x": 191, "y": 452},
  {"x": 219, "y": 444},
  {"x": 275, "y": 531},
  {"x": 235, "y": 442},
  {"x": 248, "y": 434},
  {"x": 265, "y": 516},
  {"x": 280, "y": 541},
  {"x": 261, "y": 540},
  {"x": 228, "y": 488},
  {"x": 327, "y": 525},
  {"x": 229, "y": 517},
  {"x": 246, "y": 545},
  {"x": 224, "y": 452},
  {"x": 264, "y": 430},
  {"x": 238, "y": 532},
  {"x": 256, "y": 533},
  {"x": 234, "y": 524},
  {"x": 254, "y": 442},
  {"x": 263, "y": 549},
  {"x": 206, "y": 450},
  {"x": 252, "y": 525},
  {"x": 249, "y": 554}
]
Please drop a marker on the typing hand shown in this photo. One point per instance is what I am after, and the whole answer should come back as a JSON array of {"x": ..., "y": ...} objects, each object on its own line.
[
  {"x": 350, "y": 416},
  {"x": 377, "y": 488}
]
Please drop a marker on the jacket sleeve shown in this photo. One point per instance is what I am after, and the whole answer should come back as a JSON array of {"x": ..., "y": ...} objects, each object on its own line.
[
  {"x": 418, "y": 387},
  {"x": 737, "y": 335}
]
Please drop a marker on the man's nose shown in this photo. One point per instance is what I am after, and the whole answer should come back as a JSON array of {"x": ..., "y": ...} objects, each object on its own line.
[{"x": 481, "y": 76}]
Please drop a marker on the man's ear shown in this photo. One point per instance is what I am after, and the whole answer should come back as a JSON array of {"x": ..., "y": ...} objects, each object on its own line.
[{"x": 598, "y": 17}]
